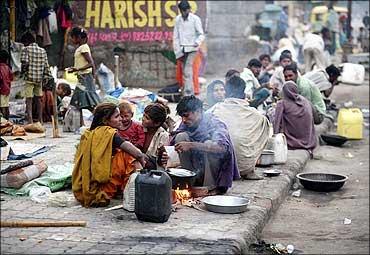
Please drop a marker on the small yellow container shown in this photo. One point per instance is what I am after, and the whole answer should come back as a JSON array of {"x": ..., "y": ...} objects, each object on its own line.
[
  {"x": 70, "y": 77},
  {"x": 350, "y": 122}
]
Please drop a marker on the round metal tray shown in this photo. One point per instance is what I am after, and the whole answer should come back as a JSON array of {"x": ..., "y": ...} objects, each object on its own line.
[{"x": 226, "y": 204}]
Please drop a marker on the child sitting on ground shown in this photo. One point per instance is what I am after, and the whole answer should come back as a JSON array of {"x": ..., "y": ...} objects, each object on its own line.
[
  {"x": 6, "y": 76},
  {"x": 132, "y": 131},
  {"x": 62, "y": 90}
]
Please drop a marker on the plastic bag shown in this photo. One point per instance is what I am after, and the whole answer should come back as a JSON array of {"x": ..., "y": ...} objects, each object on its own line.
[
  {"x": 173, "y": 157},
  {"x": 36, "y": 127},
  {"x": 106, "y": 78},
  {"x": 62, "y": 199},
  {"x": 40, "y": 194},
  {"x": 53, "y": 25}
]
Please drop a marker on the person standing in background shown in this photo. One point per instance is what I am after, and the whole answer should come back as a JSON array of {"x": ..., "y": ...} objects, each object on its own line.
[
  {"x": 187, "y": 36},
  {"x": 283, "y": 24},
  {"x": 35, "y": 67},
  {"x": 332, "y": 24},
  {"x": 6, "y": 77},
  {"x": 313, "y": 51},
  {"x": 84, "y": 96}
]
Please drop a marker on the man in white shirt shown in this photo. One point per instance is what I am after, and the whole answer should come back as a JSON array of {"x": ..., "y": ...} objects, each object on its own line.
[
  {"x": 254, "y": 92},
  {"x": 187, "y": 36},
  {"x": 313, "y": 51}
]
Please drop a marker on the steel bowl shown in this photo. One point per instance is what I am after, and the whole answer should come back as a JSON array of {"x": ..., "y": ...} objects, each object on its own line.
[
  {"x": 272, "y": 172},
  {"x": 321, "y": 181},
  {"x": 226, "y": 204}
]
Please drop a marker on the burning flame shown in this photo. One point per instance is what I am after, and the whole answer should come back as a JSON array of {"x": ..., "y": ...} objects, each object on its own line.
[{"x": 183, "y": 194}]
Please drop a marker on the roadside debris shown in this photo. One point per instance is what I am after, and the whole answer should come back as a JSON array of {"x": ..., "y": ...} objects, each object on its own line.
[
  {"x": 347, "y": 221},
  {"x": 348, "y": 155},
  {"x": 114, "y": 208},
  {"x": 261, "y": 247},
  {"x": 296, "y": 193}
]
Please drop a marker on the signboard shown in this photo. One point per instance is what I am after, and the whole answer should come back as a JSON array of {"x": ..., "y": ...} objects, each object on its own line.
[{"x": 131, "y": 21}]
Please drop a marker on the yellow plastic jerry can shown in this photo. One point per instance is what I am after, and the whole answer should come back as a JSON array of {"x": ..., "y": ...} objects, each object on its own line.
[{"x": 350, "y": 122}]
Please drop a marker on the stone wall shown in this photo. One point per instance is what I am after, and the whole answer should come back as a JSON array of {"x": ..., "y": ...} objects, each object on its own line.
[{"x": 228, "y": 26}]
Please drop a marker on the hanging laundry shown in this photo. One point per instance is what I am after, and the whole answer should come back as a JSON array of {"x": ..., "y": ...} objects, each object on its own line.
[
  {"x": 43, "y": 31},
  {"x": 52, "y": 19},
  {"x": 64, "y": 15}
]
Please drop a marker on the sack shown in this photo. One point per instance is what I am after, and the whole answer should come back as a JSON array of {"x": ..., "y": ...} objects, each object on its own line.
[
  {"x": 17, "y": 178},
  {"x": 18, "y": 131},
  {"x": 129, "y": 194},
  {"x": 36, "y": 127},
  {"x": 6, "y": 127},
  {"x": 71, "y": 120},
  {"x": 249, "y": 131},
  {"x": 105, "y": 78}
]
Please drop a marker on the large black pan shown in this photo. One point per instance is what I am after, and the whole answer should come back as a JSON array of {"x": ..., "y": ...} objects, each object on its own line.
[{"x": 181, "y": 178}]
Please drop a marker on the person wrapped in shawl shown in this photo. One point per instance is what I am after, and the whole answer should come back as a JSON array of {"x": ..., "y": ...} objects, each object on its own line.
[
  {"x": 294, "y": 118},
  {"x": 103, "y": 161},
  {"x": 205, "y": 147}
]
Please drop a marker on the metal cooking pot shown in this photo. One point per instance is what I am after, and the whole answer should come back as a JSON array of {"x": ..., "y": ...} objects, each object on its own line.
[
  {"x": 226, "y": 204},
  {"x": 266, "y": 158},
  {"x": 181, "y": 177}
]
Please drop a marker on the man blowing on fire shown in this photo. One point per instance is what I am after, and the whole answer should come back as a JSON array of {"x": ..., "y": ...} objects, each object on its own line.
[{"x": 204, "y": 146}]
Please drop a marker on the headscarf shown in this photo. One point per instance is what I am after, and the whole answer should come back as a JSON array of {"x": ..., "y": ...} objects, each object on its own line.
[
  {"x": 294, "y": 118},
  {"x": 210, "y": 88}
]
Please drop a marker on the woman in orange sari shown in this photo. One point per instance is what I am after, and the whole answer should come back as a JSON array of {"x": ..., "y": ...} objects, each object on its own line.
[{"x": 103, "y": 161}]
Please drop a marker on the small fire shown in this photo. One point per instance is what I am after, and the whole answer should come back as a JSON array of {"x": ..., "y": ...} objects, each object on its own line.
[{"x": 183, "y": 195}]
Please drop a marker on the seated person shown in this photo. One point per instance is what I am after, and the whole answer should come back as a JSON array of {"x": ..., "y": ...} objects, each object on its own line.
[
  {"x": 231, "y": 73},
  {"x": 236, "y": 113},
  {"x": 255, "y": 93},
  {"x": 47, "y": 99},
  {"x": 215, "y": 93},
  {"x": 267, "y": 69},
  {"x": 204, "y": 146},
  {"x": 324, "y": 79},
  {"x": 307, "y": 89},
  {"x": 235, "y": 87},
  {"x": 103, "y": 161},
  {"x": 63, "y": 90},
  {"x": 132, "y": 131},
  {"x": 156, "y": 137},
  {"x": 277, "y": 79},
  {"x": 294, "y": 118}
]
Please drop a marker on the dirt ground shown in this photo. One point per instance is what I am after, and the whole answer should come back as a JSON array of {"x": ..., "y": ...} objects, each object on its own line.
[{"x": 314, "y": 222}]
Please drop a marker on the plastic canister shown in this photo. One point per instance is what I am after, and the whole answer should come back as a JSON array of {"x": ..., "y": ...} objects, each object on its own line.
[
  {"x": 153, "y": 195},
  {"x": 280, "y": 148},
  {"x": 350, "y": 122}
]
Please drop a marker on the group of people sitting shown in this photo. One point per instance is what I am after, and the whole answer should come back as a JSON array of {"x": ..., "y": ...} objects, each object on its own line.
[{"x": 115, "y": 145}]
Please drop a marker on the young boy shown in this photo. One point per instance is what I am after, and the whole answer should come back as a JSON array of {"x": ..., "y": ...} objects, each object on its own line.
[
  {"x": 35, "y": 66},
  {"x": 63, "y": 90},
  {"x": 6, "y": 76},
  {"x": 132, "y": 130}
]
